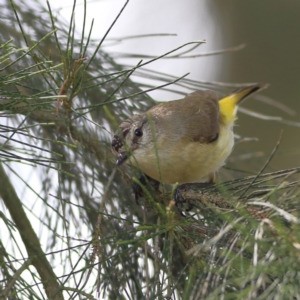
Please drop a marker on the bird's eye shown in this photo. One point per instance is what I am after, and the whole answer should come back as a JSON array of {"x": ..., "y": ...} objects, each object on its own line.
[{"x": 138, "y": 132}]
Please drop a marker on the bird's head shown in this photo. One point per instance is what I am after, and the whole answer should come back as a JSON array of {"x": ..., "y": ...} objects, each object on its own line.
[{"x": 132, "y": 137}]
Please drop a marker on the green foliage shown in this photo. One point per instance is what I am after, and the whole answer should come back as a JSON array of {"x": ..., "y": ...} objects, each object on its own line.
[{"x": 61, "y": 98}]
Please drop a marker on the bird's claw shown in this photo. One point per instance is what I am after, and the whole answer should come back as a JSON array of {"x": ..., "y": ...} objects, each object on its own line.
[
  {"x": 180, "y": 201},
  {"x": 143, "y": 180}
]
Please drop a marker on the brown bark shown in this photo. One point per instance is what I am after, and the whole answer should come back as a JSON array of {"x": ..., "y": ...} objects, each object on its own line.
[{"x": 29, "y": 237}]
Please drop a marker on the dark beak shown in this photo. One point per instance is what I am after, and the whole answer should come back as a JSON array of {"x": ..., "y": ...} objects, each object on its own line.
[
  {"x": 117, "y": 145},
  {"x": 121, "y": 158}
]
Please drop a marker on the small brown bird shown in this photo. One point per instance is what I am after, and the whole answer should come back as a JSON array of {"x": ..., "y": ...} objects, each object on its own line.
[{"x": 182, "y": 141}]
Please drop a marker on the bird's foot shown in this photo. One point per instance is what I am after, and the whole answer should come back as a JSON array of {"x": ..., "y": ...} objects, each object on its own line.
[
  {"x": 182, "y": 203},
  {"x": 147, "y": 182}
]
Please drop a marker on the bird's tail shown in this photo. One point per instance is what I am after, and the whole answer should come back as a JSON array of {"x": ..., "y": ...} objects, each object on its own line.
[{"x": 228, "y": 104}]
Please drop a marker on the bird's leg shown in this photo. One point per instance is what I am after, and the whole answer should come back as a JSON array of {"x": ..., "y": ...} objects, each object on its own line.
[
  {"x": 180, "y": 200},
  {"x": 144, "y": 180}
]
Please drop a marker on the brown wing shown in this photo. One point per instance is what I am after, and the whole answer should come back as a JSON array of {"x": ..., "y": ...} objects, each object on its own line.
[{"x": 195, "y": 117}]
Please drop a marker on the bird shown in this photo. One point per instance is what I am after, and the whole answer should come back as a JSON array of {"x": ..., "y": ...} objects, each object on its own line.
[{"x": 182, "y": 141}]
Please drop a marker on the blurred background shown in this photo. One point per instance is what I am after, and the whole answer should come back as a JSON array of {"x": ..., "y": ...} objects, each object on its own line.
[{"x": 269, "y": 29}]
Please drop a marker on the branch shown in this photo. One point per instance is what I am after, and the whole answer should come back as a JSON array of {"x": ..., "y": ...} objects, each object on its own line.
[
  {"x": 29, "y": 237},
  {"x": 10, "y": 284}
]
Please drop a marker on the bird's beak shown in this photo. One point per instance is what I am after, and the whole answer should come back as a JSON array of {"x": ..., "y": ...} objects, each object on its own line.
[
  {"x": 121, "y": 158},
  {"x": 117, "y": 145}
]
